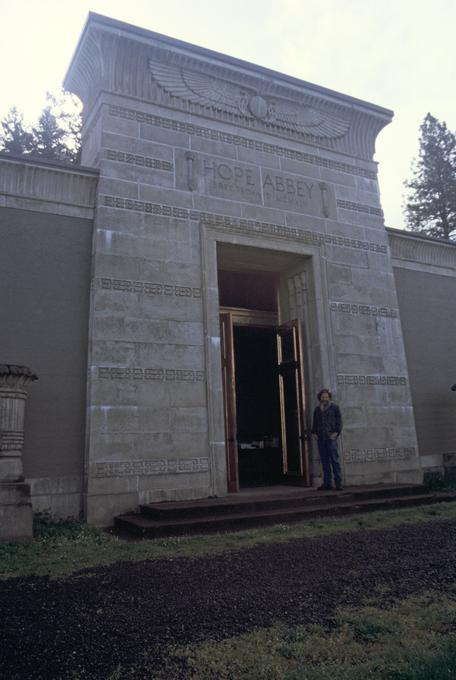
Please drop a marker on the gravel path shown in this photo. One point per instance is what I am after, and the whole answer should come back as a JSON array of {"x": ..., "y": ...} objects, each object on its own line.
[{"x": 126, "y": 614}]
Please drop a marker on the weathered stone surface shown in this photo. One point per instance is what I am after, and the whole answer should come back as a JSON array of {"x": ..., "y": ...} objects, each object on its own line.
[{"x": 184, "y": 173}]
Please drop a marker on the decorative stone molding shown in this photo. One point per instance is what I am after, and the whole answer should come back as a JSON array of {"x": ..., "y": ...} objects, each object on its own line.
[
  {"x": 150, "y": 374},
  {"x": 33, "y": 184},
  {"x": 226, "y": 96},
  {"x": 242, "y": 226},
  {"x": 236, "y": 140},
  {"x": 16, "y": 376},
  {"x": 360, "y": 309},
  {"x": 116, "y": 57},
  {"x": 162, "y": 466},
  {"x": 411, "y": 247},
  {"x": 148, "y": 288},
  {"x": 380, "y": 454},
  {"x": 385, "y": 380},
  {"x": 139, "y": 160},
  {"x": 359, "y": 207},
  {"x": 15, "y": 505}
]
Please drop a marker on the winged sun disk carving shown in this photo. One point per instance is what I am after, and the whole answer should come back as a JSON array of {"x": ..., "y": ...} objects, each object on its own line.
[{"x": 222, "y": 95}]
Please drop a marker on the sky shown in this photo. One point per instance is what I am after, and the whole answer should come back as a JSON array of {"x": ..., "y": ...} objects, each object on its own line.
[{"x": 399, "y": 54}]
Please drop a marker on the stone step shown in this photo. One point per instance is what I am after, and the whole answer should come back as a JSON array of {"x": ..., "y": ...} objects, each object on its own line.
[
  {"x": 270, "y": 500},
  {"x": 143, "y": 526}
]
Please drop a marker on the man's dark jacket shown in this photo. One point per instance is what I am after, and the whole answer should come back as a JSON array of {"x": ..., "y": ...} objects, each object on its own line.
[{"x": 327, "y": 421}]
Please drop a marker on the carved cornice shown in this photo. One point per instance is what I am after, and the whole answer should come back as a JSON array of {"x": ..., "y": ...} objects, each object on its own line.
[
  {"x": 32, "y": 184},
  {"x": 409, "y": 247},
  {"x": 121, "y": 59}
]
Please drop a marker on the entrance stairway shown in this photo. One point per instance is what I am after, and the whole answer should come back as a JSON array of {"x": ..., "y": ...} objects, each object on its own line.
[{"x": 272, "y": 505}]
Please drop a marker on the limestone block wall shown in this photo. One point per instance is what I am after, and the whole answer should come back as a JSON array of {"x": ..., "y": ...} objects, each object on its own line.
[
  {"x": 46, "y": 221},
  {"x": 148, "y": 434},
  {"x": 195, "y": 150}
]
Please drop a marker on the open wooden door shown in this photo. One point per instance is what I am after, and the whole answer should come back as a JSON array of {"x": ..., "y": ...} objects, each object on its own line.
[
  {"x": 292, "y": 402},
  {"x": 229, "y": 401}
]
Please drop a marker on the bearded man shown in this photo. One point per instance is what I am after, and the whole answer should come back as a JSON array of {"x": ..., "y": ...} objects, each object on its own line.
[{"x": 326, "y": 427}]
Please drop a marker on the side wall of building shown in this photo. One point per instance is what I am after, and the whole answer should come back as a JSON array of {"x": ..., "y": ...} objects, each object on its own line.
[
  {"x": 425, "y": 273},
  {"x": 46, "y": 227}
]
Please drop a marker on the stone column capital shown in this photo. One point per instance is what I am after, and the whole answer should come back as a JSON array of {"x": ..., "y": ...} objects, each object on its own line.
[{"x": 14, "y": 376}]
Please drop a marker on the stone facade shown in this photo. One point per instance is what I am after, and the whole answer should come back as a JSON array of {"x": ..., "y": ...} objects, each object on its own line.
[{"x": 207, "y": 164}]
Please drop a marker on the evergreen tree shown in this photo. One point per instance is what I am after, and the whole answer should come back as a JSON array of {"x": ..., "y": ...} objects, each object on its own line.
[
  {"x": 431, "y": 205},
  {"x": 57, "y": 135},
  {"x": 14, "y": 138}
]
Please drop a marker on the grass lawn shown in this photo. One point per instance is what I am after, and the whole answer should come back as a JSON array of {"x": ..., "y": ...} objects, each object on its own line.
[
  {"x": 412, "y": 638},
  {"x": 66, "y": 547},
  {"x": 398, "y": 643}
]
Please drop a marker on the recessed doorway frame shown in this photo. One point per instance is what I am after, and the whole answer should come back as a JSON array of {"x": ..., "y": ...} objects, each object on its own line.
[{"x": 323, "y": 367}]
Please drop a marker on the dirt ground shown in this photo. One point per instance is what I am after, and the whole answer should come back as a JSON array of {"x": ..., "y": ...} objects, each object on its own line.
[{"x": 127, "y": 614}]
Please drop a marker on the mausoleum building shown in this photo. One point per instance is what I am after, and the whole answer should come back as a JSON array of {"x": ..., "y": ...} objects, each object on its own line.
[{"x": 219, "y": 257}]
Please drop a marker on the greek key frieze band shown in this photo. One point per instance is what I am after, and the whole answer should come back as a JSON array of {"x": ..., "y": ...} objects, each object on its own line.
[
  {"x": 358, "y": 309},
  {"x": 359, "y": 207},
  {"x": 148, "y": 288},
  {"x": 238, "y": 140},
  {"x": 161, "y": 466},
  {"x": 242, "y": 226},
  {"x": 137, "y": 159},
  {"x": 150, "y": 374},
  {"x": 374, "y": 455},
  {"x": 393, "y": 380}
]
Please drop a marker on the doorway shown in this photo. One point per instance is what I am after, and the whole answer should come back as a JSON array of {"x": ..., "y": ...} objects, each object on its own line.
[{"x": 263, "y": 385}]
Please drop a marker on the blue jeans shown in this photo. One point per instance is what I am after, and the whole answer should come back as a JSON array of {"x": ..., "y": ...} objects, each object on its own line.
[{"x": 329, "y": 456}]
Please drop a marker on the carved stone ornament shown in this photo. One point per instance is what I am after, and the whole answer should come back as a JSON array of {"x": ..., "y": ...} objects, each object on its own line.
[
  {"x": 16, "y": 376},
  {"x": 222, "y": 95},
  {"x": 15, "y": 504}
]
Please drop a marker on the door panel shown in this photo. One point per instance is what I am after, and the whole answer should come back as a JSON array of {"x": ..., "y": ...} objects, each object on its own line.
[
  {"x": 229, "y": 401},
  {"x": 292, "y": 401}
]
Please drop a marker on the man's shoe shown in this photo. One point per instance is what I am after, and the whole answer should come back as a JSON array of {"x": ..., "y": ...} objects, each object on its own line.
[
  {"x": 325, "y": 487},
  {"x": 339, "y": 487}
]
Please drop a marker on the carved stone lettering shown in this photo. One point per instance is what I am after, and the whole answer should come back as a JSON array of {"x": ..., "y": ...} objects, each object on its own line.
[
  {"x": 298, "y": 194},
  {"x": 228, "y": 180},
  {"x": 215, "y": 177}
]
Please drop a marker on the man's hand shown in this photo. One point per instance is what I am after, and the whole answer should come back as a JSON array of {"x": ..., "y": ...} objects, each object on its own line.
[{"x": 333, "y": 435}]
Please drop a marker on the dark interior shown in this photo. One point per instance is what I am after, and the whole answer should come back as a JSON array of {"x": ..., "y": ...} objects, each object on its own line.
[
  {"x": 257, "y": 406},
  {"x": 248, "y": 290}
]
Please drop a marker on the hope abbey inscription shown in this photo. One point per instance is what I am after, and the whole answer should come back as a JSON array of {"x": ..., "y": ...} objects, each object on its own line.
[
  {"x": 296, "y": 193},
  {"x": 249, "y": 183},
  {"x": 228, "y": 181}
]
